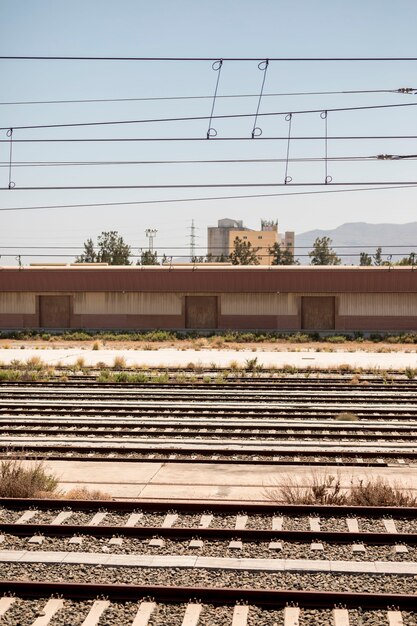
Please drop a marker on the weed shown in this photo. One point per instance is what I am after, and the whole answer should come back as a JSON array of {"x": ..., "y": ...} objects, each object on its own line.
[
  {"x": 82, "y": 493},
  {"x": 323, "y": 489},
  {"x": 410, "y": 372},
  {"x": 119, "y": 363},
  {"x": 96, "y": 345},
  {"x": 25, "y": 480},
  {"x": 378, "y": 492},
  {"x": 35, "y": 363},
  {"x": 346, "y": 416},
  {"x": 252, "y": 365},
  {"x": 80, "y": 363}
]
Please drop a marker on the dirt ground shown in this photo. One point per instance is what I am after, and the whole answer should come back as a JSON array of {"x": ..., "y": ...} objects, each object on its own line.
[{"x": 216, "y": 343}]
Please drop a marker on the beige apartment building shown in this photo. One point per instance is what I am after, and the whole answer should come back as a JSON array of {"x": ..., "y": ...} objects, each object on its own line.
[{"x": 221, "y": 238}]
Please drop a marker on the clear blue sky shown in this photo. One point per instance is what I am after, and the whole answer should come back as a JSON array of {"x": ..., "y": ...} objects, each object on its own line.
[{"x": 217, "y": 29}]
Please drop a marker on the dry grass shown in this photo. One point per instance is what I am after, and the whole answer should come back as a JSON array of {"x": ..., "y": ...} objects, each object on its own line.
[
  {"x": 119, "y": 363},
  {"x": 378, "y": 492},
  {"x": 346, "y": 416},
  {"x": 82, "y": 493},
  {"x": 321, "y": 489},
  {"x": 19, "y": 480},
  {"x": 326, "y": 489}
]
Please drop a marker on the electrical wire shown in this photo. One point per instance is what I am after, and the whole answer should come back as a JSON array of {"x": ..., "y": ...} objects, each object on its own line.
[
  {"x": 206, "y": 185},
  {"x": 216, "y": 198},
  {"x": 213, "y": 139},
  {"x": 403, "y": 90},
  {"x": 208, "y": 117},
  {"x": 211, "y": 59},
  {"x": 200, "y": 161},
  {"x": 187, "y": 248}
]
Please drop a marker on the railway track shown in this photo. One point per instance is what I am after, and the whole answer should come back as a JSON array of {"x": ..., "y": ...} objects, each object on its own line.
[
  {"x": 201, "y": 424},
  {"x": 171, "y": 563}
]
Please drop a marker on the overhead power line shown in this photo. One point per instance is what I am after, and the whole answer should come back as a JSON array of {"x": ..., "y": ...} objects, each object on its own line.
[
  {"x": 377, "y": 157},
  {"x": 211, "y": 59},
  {"x": 208, "y": 117},
  {"x": 401, "y": 90},
  {"x": 211, "y": 198},
  {"x": 261, "y": 138},
  {"x": 208, "y": 185}
]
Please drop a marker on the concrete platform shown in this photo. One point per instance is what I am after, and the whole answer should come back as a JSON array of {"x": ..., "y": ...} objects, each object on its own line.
[
  {"x": 405, "y": 568},
  {"x": 218, "y": 482},
  {"x": 179, "y": 358}
]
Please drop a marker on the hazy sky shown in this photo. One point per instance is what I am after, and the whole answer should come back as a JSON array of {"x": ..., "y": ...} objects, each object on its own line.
[{"x": 215, "y": 29}]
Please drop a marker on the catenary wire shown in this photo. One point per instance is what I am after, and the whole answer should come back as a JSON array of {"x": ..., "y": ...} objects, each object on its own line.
[
  {"x": 206, "y": 185},
  {"x": 201, "y": 161},
  {"x": 173, "y": 200},
  {"x": 213, "y": 139},
  {"x": 256, "y": 59},
  {"x": 404, "y": 90},
  {"x": 208, "y": 117}
]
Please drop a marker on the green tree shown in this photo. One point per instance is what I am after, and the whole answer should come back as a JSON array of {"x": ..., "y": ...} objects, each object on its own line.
[
  {"x": 323, "y": 253},
  {"x": 281, "y": 255},
  {"x": 378, "y": 257},
  {"x": 243, "y": 253},
  {"x": 365, "y": 259},
  {"x": 148, "y": 258},
  {"x": 89, "y": 255},
  {"x": 111, "y": 249}
]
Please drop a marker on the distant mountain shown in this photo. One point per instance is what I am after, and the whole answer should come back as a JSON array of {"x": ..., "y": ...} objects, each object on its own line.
[{"x": 397, "y": 240}]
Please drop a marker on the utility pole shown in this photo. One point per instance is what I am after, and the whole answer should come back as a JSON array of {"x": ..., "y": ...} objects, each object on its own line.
[
  {"x": 193, "y": 237},
  {"x": 151, "y": 234}
]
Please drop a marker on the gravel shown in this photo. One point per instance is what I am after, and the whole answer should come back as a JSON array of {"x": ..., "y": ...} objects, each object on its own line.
[
  {"x": 123, "y": 613},
  {"x": 210, "y": 548},
  {"x": 210, "y": 578}
]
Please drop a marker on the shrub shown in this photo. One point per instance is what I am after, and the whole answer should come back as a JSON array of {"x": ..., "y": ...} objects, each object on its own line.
[
  {"x": 96, "y": 345},
  {"x": 378, "y": 492},
  {"x": 321, "y": 490},
  {"x": 410, "y": 372},
  {"x": 252, "y": 365},
  {"x": 82, "y": 493},
  {"x": 35, "y": 363},
  {"x": 24, "y": 480},
  {"x": 336, "y": 339},
  {"x": 119, "y": 363},
  {"x": 327, "y": 489}
]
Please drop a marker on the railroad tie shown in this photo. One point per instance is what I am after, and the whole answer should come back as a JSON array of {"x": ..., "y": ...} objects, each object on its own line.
[
  {"x": 241, "y": 521},
  {"x": 291, "y": 616},
  {"x": 27, "y": 515},
  {"x": 240, "y": 615},
  {"x": 170, "y": 520},
  {"x": 390, "y": 526},
  {"x": 61, "y": 517},
  {"x": 277, "y": 523},
  {"x": 96, "y": 611},
  {"x": 49, "y": 610},
  {"x": 340, "y": 617},
  {"x": 395, "y": 618},
  {"x": 206, "y": 520},
  {"x": 133, "y": 519},
  {"x": 352, "y": 524},
  {"x": 5, "y": 604},
  {"x": 97, "y": 519},
  {"x": 144, "y": 613},
  {"x": 314, "y": 524},
  {"x": 192, "y": 615}
]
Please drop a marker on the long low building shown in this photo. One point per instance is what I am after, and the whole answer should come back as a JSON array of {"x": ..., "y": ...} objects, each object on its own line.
[{"x": 209, "y": 297}]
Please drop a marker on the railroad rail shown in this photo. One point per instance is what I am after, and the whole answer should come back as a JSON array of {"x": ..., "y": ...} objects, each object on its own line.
[{"x": 236, "y": 591}]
